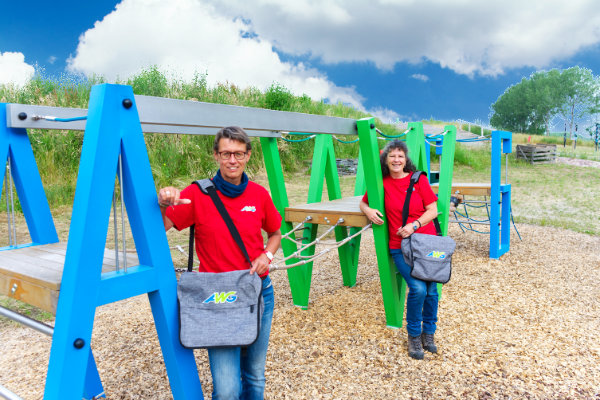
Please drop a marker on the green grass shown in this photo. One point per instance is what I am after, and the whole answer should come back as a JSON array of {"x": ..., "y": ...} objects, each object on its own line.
[
  {"x": 557, "y": 195},
  {"x": 174, "y": 158},
  {"x": 22, "y": 308}
]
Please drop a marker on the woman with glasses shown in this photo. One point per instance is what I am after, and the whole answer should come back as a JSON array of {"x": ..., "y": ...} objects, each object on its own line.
[{"x": 236, "y": 374}]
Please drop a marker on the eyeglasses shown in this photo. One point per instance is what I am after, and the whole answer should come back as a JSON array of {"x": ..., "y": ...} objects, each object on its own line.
[{"x": 226, "y": 155}]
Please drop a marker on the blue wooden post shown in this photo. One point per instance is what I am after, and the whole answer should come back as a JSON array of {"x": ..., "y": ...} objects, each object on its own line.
[
  {"x": 113, "y": 128},
  {"x": 500, "y": 207},
  {"x": 15, "y": 143}
]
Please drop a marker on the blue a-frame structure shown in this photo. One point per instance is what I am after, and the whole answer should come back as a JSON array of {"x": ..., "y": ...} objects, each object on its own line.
[
  {"x": 113, "y": 128},
  {"x": 14, "y": 143}
]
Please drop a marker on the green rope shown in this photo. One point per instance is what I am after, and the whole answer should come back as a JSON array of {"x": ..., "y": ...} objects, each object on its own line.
[
  {"x": 393, "y": 136},
  {"x": 299, "y": 140},
  {"x": 345, "y": 141}
]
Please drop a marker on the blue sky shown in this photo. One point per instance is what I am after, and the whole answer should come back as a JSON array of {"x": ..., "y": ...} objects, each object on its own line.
[{"x": 394, "y": 58}]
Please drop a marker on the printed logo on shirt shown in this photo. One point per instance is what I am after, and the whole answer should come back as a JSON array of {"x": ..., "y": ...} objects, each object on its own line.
[
  {"x": 437, "y": 254},
  {"x": 249, "y": 208},
  {"x": 220, "y": 298}
]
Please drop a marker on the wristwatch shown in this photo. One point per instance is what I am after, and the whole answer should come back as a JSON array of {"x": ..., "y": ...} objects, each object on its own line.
[
  {"x": 415, "y": 227},
  {"x": 269, "y": 255}
]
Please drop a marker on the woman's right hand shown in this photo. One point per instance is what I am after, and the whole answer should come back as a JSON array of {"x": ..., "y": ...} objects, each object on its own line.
[{"x": 373, "y": 215}]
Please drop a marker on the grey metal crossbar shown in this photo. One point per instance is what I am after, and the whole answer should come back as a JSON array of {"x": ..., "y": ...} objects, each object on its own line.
[
  {"x": 7, "y": 394},
  {"x": 161, "y": 115}
]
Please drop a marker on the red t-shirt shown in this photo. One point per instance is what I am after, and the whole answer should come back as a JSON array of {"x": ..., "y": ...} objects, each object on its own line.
[
  {"x": 251, "y": 212},
  {"x": 394, "y": 194}
]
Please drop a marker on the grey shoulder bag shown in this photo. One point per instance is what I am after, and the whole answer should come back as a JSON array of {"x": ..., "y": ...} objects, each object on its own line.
[
  {"x": 429, "y": 256},
  {"x": 219, "y": 309}
]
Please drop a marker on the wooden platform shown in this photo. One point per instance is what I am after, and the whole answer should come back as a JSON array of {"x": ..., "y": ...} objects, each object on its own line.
[
  {"x": 329, "y": 212},
  {"x": 33, "y": 274},
  {"x": 471, "y": 189}
]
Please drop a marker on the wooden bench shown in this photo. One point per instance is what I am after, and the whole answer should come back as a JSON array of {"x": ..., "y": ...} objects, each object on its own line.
[
  {"x": 329, "y": 212},
  {"x": 33, "y": 274},
  {"x": 471, "y": 189}
]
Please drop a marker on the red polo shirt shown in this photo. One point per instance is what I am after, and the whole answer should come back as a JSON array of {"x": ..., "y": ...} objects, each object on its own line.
[
  {"x": 251, "y": 212},
  {"x": 394, "y": 195}
]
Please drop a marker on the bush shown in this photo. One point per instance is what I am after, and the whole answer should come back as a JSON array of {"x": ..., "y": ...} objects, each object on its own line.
[{"x": 278, "y": 97}]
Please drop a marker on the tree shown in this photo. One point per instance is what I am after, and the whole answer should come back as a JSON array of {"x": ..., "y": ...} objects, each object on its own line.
[
  {"x": 530, "y": 105},
  {"x": 578, "y": 90}
]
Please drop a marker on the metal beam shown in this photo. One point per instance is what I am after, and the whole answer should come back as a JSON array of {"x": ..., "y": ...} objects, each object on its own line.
[
  {"x": 163, "y": 115},
  {"x": 7, "y": 394},
  {"x": 25, "y": 320}
]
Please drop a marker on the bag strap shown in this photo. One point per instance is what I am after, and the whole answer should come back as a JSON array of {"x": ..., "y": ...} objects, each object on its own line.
[
  {"x": 207, "y": 187},
  {"x": 414, "y": 179}
]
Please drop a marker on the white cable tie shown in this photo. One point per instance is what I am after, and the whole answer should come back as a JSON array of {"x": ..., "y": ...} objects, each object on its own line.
[{"x": 46, "y": 117}]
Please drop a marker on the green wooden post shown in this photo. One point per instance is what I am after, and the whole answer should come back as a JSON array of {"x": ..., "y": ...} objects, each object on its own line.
[
  {"x": 324, "y": 169},
  {"x": 345, "y": 252},
  {"x": 446, "y": 172},
  {"x": 299, "y": 282},
  {"x": 415, "y": 140},
  {"x": 393, "y": 288},
  {"x": 359, "y": 190}
]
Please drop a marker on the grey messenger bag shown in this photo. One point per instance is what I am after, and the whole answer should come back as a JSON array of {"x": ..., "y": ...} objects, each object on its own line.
[
  {"x": 219, "y": 309},
  {"x": 429, "y": 256}
]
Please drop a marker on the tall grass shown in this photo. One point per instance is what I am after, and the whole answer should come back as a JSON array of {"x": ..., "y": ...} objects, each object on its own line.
[{"x": 174, "y": 158}]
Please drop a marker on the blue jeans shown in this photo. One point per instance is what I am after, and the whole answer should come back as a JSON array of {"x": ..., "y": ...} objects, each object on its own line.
[
  {"x": 421, "y": 302},
  {"x": 240, "y": 374}
]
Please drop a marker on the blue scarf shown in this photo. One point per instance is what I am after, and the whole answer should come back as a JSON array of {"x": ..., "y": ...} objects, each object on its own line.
[{"x": 229, "y": 189}]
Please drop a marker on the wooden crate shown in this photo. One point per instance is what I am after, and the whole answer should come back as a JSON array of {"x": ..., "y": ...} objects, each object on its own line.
[{"x": 537, "y": 153}]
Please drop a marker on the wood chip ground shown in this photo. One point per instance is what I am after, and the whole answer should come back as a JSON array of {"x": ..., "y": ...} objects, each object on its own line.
[{"x": 525, "y": 326}]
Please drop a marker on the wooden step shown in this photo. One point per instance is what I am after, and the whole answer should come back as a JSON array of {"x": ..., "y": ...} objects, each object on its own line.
[{"x": 33, "y": 274}]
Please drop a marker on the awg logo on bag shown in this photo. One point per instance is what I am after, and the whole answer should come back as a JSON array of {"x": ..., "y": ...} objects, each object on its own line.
[
  {"x": 220, "y": 298},
  {"x": 437, "y": 254}
]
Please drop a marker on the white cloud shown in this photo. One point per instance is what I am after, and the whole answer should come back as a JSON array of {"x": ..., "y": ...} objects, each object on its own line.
[
  {"x": 14, "y": 70},
  {"x": 52, "y": 59},
  {"x": 420, "y": 77},
  {"x": 467, "y": 36},
  {"x": 386, "y": 115},
  {"x": 188, "y": 36}
]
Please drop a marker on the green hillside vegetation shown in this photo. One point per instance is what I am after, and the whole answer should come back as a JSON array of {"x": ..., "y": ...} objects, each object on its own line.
[
  {"x": 179, "y": 159},
  {"x": 175, "y": 159}
]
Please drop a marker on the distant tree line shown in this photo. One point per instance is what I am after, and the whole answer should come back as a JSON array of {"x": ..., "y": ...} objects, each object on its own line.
[{"x": 529, "y": 105}]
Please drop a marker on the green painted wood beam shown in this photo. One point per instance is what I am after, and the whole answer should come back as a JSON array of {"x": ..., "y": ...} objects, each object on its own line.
[
  {"x": 296, "y": 276},
  {"x": 446, "y": 173},
  {"x": 393, "y": 288}
]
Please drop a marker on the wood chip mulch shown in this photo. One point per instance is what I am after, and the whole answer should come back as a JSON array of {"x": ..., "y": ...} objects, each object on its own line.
[{"x": 525, "y": 326}]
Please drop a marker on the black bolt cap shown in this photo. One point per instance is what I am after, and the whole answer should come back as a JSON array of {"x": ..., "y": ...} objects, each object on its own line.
[
  {"x": 22, "y": 116},
  {"x": 78, "y": 343},
  {"x": 127, "y": 103},
  {"x": 372, "y": 126}
]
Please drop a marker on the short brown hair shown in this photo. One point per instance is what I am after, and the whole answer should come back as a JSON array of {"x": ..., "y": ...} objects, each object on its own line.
[{"x": 233, "y": 133}]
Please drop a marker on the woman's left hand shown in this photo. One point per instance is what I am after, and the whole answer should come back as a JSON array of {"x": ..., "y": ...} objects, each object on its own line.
[
  {"x": 260, "y": 265},
  {"x": 405, "y": 231}
]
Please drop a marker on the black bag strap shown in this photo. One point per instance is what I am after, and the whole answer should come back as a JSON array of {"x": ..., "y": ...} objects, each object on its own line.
[
  {"x": 414, "y": 179},
  {"x": 207, "y": 187}
]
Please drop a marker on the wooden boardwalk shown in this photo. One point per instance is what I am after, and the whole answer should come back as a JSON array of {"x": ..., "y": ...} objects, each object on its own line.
[
  {"x": 471, "y": 189},
  {"x": 33, "y": 274}
]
